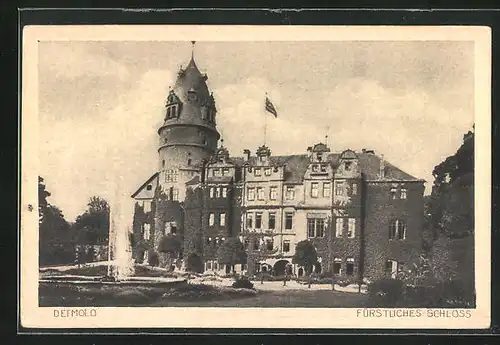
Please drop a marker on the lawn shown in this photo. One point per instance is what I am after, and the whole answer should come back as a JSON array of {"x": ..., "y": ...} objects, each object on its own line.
[
  {"x": 191, "y": 295},
  {"x": 280, "y": 299}
]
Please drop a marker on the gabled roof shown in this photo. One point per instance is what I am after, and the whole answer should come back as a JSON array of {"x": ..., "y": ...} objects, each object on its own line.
[
  {"x": 144, "y": 185},
  {"x": 296, "y": 166}
]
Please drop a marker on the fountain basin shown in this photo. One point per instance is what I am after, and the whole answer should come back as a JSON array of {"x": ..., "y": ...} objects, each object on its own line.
[{"x": 101, "y": 280}]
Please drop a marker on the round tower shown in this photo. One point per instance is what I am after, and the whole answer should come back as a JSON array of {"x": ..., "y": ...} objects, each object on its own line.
[{"x": 188, "y": 135}]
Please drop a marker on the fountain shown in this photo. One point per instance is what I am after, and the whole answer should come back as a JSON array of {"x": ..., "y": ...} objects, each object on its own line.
[{"x": 120, "y": 264}]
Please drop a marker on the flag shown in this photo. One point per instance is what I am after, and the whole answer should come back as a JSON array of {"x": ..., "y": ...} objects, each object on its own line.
[{"x": 270, "y": 108}]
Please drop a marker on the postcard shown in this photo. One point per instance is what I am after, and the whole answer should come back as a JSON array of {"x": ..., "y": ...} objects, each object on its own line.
[{"x": 268, "y": 177}]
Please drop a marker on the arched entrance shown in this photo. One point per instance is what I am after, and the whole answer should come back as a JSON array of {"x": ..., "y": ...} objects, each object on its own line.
[
  {"x": 301, "y": 272},
  {"x": 194, "y": 263},
  {"x": 279, "y": 267}
]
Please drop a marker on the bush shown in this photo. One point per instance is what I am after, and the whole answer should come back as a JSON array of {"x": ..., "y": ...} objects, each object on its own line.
[
  {"x": 153, "y": 259},
  {"x": 386, "y": 293},
  {"x": 243, "y": 283}
]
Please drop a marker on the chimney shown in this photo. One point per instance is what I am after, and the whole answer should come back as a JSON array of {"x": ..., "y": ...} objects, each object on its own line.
[
  {"x": 246, "y": 154},
  {"x": 382, "y": 167}
]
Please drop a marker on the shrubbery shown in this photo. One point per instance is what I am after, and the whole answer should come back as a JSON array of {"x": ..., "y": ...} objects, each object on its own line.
[
  {"x": 153, "y": 259},
  {"x": 386, "y": 293},
  {"x": 395, "y": 293},
  {"x": 243, "y": 283}
]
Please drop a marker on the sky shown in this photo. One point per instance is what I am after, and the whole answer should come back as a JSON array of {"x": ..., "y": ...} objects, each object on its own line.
[{"x": 101, "y": 103}]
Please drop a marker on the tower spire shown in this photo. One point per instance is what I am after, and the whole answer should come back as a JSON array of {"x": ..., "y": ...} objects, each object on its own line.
[{"x": 192, "y": 49}]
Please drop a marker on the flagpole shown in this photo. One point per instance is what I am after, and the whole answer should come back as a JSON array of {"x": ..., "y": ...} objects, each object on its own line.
[{"x": 265, "y": 123}]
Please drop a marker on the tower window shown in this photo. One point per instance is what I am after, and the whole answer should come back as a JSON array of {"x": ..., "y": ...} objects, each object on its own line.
[
  {"x": 163, "y": 162},
  {"x": 189, "y": 161},
  {"x": 171, "y": 175}
]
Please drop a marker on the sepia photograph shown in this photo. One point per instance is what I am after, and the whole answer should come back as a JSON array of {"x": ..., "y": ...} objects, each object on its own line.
[{"x": 227, "y": 171}]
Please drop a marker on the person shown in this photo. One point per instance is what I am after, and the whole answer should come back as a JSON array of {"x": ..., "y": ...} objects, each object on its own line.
[{"x": 285, "y": 277}]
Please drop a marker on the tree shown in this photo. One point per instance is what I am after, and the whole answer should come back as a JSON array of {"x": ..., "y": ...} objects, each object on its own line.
[
  {"x": 55, "y": 245},
  {"x": 170, "y": 246},
  {"x": 231, "y": 252},
  {"x": 92, "y": 226},
  {"x": 254, "y": 256},
  {"x": 449, "y": 216},
  {"x": 305, "y": 255}
]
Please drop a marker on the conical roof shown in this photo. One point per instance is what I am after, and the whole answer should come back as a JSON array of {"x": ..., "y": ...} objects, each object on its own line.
[{"x": 190, "y": 79}]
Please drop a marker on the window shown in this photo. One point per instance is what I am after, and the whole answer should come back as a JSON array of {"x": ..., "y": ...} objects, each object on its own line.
[
  {"x": 249, "y": 220},
  {"x": 339, "y": 227},
  {"x": 258, "y": 220},
  {"x": 354, "y": 188},
  {"x": 339, "y": 188},
  {"x": 257, "y": 172},
  {"x": 267, "y": 171},
  {"x": 323, "y": 168},
  {"x": 269, "y": 244},
  {"x": 163, "y": 161},
  {"x": 149, "y": 187},
  {"x": 216, "y": 172},
  {"x": 319, "y": 156},
  {"x": 290, "y": 192},
  {"x": 403, "y": 193},
  {"x": 147, "y": 232},
  {"x": 225, "y": 172},
  {"x": 209, "y": 265},
  {"x": 393, "y": 193},
  {"x": 273, "y": 193},
  {"x": 288, "y": 220},
  {"x": 260, "y": 193},
  {"x": 189, "y": 161},
  {"x": 211, "y": 219},
  {"x": 347, "y": 166},
  {"x": 349, "y": 268},
  {"x": 315, "y": 227},
  {"x": 351, "y": 229},
  {"x": 246, "y": 243},
  {"x": 310, "y": 227},
  {"x": 217, "y": 192},
  {"x": 393, "y": 267},
  {"x": 147, "y": 206},
  {"x": 251, "y": 194},
  {"x": 272, "y": 220},
  {"x": 171, "y": 175},
  {"x": 286, "y": 246},
  {"x": 326, "y": 189},
  {"x": 397, "y": 230},
  {"x": 222, "y": 219},
  {"x": 212, "y": 192},
  {"x": 315, "y": 168},
  {"x": 337, "y": 264},
  {"x": 175, "y": 194},
  {"x": 314, "y": 189},
  {"x": 224, "y": 192},
  {"x": 255, "y": 245}
]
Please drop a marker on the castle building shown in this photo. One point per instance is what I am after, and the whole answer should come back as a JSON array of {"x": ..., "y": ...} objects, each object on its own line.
[{"x": 362, "y": 214}]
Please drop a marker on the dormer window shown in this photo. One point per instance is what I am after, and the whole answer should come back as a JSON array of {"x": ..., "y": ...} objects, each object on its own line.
[
  {"x": 347, "y": 166},
  {"x": 172, "y": 111},
  {"x": 192, "y": 95},
  {"x": 267, "y": 171},
  {"x": 319, "y": 157},
  {"x": 323, "y": 167},
  {"x": 315, "y": 168},
  {"x": 257, "y": 172}
]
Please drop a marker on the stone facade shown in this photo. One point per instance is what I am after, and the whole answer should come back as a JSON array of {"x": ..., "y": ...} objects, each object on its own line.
[{"x": 363, "y": 215}]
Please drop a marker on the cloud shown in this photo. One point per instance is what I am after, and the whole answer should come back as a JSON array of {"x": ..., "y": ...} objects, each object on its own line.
[
  {"x": 89, "y": 156},
  {"x": 71, "y": 60}
]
